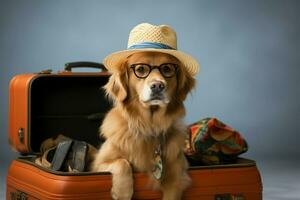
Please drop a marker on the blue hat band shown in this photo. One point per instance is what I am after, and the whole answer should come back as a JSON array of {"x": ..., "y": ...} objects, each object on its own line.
[{"x": 153, "y": 45}]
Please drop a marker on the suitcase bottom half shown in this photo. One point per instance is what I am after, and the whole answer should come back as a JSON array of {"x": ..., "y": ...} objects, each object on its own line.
[{"x": 28, "y": 181}]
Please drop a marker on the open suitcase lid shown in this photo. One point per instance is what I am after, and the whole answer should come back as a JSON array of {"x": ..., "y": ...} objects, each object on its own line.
[{"x": 46, "y": 104}]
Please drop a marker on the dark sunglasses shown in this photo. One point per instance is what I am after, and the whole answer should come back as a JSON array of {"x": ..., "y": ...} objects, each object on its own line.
[{"x": 142, "y": 70}]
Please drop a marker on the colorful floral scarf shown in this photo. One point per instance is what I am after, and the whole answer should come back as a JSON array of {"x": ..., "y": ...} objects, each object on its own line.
[{"x": 212, "y": 142}]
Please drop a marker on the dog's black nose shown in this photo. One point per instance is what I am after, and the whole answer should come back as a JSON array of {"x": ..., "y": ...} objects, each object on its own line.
[{"x": 157, "y": 86}]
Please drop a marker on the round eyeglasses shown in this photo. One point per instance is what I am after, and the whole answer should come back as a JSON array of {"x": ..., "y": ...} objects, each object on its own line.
[{"x": 142, "y": 70}]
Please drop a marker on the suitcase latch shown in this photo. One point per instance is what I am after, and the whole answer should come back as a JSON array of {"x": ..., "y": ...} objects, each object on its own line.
[
  {"x": 18, "y": 195},
  {"x": 46, "y": 71},
  {"x": 21, "y": 135},
  {"x": 228, "y": 196}
]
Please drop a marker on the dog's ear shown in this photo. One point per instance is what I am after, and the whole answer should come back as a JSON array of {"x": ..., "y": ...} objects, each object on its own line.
[
  {"x": 185, "y": 83},
  {"x": 116, "y": 88}
]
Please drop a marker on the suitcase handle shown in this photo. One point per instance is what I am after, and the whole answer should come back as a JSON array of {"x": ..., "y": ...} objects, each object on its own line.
[{"x": 71, "y": 65}]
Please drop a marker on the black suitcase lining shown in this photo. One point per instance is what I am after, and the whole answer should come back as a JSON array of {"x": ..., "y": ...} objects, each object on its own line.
[{"x": 70, "y": 105}]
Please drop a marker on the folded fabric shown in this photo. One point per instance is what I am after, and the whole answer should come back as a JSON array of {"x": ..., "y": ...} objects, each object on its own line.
[
  {"x": 212, "y": 142},
  {"x": 64, "y": 154}
]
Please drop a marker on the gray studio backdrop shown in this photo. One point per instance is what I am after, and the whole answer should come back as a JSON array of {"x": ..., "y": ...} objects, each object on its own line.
[{"x": 249, "y": 53}]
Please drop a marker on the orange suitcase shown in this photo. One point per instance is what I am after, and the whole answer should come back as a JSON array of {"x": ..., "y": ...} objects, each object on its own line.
[{"x": 73, "y": 104}]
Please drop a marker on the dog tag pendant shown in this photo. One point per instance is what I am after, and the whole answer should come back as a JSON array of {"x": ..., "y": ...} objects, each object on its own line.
[{"x": 158, "y": 168}]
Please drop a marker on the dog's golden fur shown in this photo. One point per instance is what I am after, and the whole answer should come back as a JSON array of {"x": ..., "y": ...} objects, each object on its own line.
[{"x": 132, "y": 128}]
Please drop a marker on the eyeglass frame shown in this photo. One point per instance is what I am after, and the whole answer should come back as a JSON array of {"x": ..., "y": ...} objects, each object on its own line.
[{"x": 132, "y": 66}]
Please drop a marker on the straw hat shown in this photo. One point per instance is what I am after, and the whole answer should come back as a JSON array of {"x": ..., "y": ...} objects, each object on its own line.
[{"x": 152, "y": 38}]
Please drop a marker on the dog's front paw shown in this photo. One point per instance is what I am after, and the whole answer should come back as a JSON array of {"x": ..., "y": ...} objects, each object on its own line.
[
  {"x": 122, "y": 193},
  {"x": 122, "y": 184}
]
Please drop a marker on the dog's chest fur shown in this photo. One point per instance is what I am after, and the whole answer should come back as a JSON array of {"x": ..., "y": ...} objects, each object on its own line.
[{"x": 137, "y": 140}]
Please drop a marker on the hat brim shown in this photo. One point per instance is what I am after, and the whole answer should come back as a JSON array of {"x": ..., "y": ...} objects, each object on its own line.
[{"x": 112, "y": 61}]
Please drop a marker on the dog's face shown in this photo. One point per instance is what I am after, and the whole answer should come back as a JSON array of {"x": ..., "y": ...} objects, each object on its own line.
[{"x": 151, "y": 79}]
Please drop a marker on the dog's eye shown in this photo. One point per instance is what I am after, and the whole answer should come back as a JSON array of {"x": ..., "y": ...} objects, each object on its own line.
[
  {"x": 142, "y": 70},
  {"x": 167, "y": 70}
]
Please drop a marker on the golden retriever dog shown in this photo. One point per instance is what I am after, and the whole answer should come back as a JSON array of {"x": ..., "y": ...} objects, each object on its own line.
[{"x": 144, "y": 130}]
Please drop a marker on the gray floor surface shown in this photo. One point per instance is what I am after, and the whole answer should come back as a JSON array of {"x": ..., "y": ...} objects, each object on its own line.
[{"x": 281, "y": 179}]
